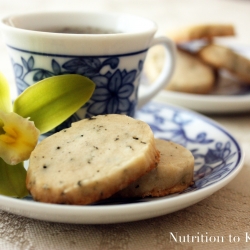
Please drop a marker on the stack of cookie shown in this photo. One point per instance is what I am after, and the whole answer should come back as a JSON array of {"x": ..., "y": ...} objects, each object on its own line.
[
  {"x": 103, "y": 156},
  {"x": 199, "y": 59}
]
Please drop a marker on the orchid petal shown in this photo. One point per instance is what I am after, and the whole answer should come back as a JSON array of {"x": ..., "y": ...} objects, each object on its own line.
[
  {"x": 51, "y": 101},
  {"x": 5, "y": 97},
  {"x": 12, "y": 180}
]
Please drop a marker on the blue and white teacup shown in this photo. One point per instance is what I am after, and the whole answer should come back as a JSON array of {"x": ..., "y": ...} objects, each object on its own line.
[{"x": 109, "y": 48}]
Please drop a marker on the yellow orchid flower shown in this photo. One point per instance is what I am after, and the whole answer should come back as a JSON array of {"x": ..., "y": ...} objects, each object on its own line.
[
  {"x": 18, "y": 137},
  {"x": 40, "y": 108}
]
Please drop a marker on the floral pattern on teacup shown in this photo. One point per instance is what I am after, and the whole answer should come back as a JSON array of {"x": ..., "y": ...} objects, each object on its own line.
[{"x": 114, "y": 86}]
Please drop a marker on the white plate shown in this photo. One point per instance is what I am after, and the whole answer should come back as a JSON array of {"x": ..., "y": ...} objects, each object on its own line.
[
  {"x": 228, "y": 97},
  {"x": 218, "y": 159}
]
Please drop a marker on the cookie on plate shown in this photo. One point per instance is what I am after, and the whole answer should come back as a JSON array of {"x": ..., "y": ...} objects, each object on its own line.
[
  {"x": 91, "y": 160},
  {"x": 201, "y": 31},
  {"x": 222, "y": 57},
  {"x": 191, "y": 74},
  {"x": 173, "y": 174}
]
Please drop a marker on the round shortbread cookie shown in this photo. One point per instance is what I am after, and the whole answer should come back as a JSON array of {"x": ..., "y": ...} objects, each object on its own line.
[
  {"x": 201, "y": 31},
  {"x": 91, "y": 160},
  {"x": 191, "y": 74},
  {"x": 220, "y": 57},
  {"x": 173, "y": 174}
]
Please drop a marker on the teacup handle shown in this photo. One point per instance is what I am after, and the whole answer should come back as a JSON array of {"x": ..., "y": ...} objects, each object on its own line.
[{"x": 148, "y": 92}]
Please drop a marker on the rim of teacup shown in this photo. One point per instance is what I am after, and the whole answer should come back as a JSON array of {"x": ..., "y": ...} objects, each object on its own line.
[{"x": 35, "y": 22}]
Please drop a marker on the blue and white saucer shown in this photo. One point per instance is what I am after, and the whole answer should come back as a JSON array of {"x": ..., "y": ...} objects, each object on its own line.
[{"x": 218, "y": 159}]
